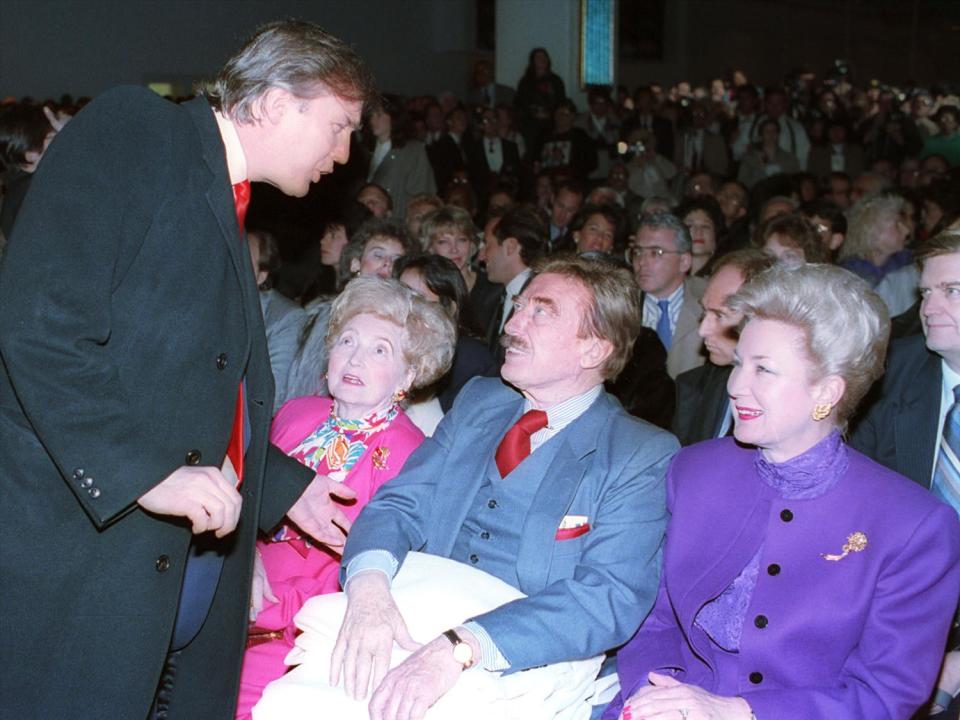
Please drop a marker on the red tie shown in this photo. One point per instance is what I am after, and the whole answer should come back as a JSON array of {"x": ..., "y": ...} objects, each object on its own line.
[
  {"x": 515, "y": 445},
  {"x": 241, "y": 201}
]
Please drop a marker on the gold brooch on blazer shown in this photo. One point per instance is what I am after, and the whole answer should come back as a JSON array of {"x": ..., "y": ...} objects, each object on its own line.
[{"x": 856, "y": 542}]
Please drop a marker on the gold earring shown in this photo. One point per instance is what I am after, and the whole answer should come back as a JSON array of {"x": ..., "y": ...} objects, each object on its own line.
[
  {"x": 399, "y": 395},
  {"x": 821, "y": 411}
]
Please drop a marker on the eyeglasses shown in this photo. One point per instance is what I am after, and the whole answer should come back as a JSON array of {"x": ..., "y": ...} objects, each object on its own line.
[{"x": 637, "y": 252}]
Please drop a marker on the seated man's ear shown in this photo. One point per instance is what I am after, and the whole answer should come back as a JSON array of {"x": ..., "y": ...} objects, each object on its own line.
[{"x": 594, "y": 352}]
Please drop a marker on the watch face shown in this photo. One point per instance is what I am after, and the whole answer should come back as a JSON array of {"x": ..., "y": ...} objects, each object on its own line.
[{"x": 463, "y": 654}]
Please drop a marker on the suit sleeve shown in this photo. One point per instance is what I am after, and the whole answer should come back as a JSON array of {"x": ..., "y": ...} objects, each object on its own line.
[
  {"x": 84, "y": 213},
  {"x": 394, "y": 520},
  {"x": 615, "y": 582}
]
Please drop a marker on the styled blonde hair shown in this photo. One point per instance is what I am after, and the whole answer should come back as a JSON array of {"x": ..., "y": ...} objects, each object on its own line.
[
  {"x": 845, "y": 324},
  {"x": 429, "y": 333}
]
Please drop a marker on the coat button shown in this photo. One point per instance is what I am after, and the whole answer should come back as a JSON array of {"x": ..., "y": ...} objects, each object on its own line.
[
  {"x": 94, "y": 493},
  {"x": 162, "y": 564},
  {"x": 193, "y": 457},
  {"x": 756, "y": 678},
  {"x": 484, "y": 535},
  {"x": 78, "y": 474},
  {"x": 86, "y": 482},
  {"x": 221, "y": 361},
  {"x": 760, "y": 621},
  {"x": 786, "y": 515},
  {"x": 474, "y": 559},
  {"x": 492, "y": 504},
  {"x": 773, "y": 569}
]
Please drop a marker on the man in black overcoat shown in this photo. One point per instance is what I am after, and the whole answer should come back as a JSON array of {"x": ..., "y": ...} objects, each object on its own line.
[{"x": 133, "y": 351}]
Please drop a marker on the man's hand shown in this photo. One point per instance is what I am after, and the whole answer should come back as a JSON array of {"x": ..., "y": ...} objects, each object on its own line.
[
  {"x": 204, "y": 495},
  {"x": 370, "y": 626},
  {"x": 318, "y": 515},
  {"x": 949, "y": 681},
  {"x": 411, "y": 688}
]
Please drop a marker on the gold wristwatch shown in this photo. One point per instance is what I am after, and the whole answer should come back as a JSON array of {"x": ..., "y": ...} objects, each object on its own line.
[{"x": 462, "y": 651}]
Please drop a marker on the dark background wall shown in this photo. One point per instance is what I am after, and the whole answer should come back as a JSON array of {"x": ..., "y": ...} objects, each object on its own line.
[{"x": 49, "y": 47}]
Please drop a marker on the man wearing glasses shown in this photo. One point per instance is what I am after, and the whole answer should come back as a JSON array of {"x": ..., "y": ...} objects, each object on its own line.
[{"x": 661, "y": 257}]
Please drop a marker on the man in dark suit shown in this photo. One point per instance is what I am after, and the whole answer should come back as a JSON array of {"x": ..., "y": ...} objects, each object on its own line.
[
  {"x": 448, "y": 153},
  {"x": 136, "y": 391},
  {"x": 703, "y": 404},
  {"x": 554, "y": 489},
  {"x": 910, "y": 426},
  {"x": 490, "y": 157},
  {"x": 511, "y": 246},
  {"x": 484, "y": 91}
]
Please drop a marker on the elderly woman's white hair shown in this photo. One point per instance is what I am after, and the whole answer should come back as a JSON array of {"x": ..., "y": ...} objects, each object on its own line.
[
  {"x": 863, "y": 222},
  {"x": 429, "y": 333},
  {"x": 845, "y": 324}
]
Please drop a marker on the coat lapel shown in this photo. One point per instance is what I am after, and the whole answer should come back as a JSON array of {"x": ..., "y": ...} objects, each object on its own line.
[
  {"x": 561, "y": 473},
  {"x": 219, "y": 196}
]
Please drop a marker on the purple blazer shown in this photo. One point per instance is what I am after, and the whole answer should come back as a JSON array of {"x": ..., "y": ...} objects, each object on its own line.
[{"x": 861, "y": 637}]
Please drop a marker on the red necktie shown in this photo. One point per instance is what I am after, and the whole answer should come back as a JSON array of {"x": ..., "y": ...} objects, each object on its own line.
[
  {"x": 515, "y": 445},
  {"x": 241, "y": 201}
]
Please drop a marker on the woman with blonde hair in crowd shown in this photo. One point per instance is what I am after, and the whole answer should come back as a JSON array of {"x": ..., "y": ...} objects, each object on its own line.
[
  {"x": 876, "y": 240},
  {"x": 801, "y": 580}
]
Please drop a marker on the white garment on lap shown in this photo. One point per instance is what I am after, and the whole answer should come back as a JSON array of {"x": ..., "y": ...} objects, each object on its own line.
[{"x": 433, "y": 594}]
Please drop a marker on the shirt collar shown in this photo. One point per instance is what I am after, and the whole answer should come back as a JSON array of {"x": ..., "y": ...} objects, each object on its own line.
[
  {"x": 564, "y": 413},
  {"x": 236, "y": 160},
  {"x": 516, "y": 284},
  {"x": 950, "y": 379}
]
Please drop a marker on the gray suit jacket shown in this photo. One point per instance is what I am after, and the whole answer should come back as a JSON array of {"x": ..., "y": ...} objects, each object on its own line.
[
  {"x": 282, "y": 319},
  {"x": 403, "y": 173},
  {"x": 686, "y": 350},
  {"x": 605, "y": 465}
]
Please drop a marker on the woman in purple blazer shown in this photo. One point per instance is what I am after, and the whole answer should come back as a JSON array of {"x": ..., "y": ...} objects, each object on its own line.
[{"x": 800, "y": 579}]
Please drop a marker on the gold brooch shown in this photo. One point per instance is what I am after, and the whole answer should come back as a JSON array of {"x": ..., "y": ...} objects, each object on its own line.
[
  {"x": 856, "y": 542},
  {"x": 380, "y": 456}
]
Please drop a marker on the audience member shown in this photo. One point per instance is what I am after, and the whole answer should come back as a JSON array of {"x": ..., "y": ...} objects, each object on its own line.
[
  {"x": 703, "y": 405},
  {"x": 371, "y": 252},
  {"x": 758, "y": 526},
  {"x": 661, "y": 258},
  {"x": 398, "y": 163},
  {"x": 914, "y": 426},
  {"x": 282, "y": 318},
  {"x": 875, "y": 244},
  {"x": 790, "y": 236},
  {"x": 512, "y": 245},
  {"x": 704, "y": 220},
  {"x": 436, "y": 279},
  {"x": 384, "y": 341},
  {"x": 376, "y": 199},
  {"x": 572, "y": 327}
]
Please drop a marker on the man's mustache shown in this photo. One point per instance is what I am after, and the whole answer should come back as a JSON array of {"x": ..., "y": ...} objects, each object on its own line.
[{"x": 514, "y": 342}]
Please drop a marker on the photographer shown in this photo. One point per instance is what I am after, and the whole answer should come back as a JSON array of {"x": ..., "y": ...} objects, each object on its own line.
[{"x": 650, "y": 172}]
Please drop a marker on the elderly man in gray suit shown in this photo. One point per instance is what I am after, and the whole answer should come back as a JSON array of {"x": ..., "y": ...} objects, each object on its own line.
[{"x": 548, "y": 485}]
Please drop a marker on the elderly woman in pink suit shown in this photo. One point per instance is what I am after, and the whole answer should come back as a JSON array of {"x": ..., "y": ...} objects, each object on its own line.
[
  {"x": 384, "y": 340},
  {"x": 801, "y": 580}
]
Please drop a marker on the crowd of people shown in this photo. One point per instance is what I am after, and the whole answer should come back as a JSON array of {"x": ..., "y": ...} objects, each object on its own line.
[{"x": 681, "y": 366}]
